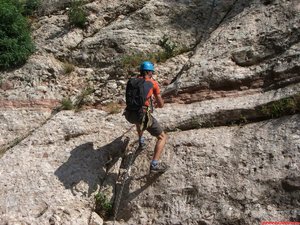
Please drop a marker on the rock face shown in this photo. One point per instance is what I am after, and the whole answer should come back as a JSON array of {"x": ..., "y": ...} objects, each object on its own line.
[
  {"x": 229, "y": 45},
  {"x": 45, "y": 177},
  {"x": 16, "y": 124},
  {"x": 231, "y": 68},
  {"x": 226, "y": 175}
]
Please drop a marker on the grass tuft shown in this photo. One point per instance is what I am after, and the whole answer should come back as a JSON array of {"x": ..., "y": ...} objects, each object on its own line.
[{"x": 103, "y": 206}]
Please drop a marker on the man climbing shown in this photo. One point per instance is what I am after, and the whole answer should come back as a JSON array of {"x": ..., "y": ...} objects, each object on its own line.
[{"x": 139, "y": 101}]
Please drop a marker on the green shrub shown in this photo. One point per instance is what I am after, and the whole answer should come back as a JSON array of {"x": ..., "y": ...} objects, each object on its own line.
[
  {"x": 296, "y": 99},
  {"x": 81, "y": 99},
  {"x": 30, "y": 6},
  {"x": 134, "y": 60},
  {"x": 26, "y": 7},
  {"x": 18, "y": 4},
  {"x": 15, "y": 41},
  {"x": 78, "y": 103},
  {"x": 66, "y": 104},
  {"x": 103, "y": 206},
  {"x": 68, "y": 67},
  {"x": 281, "y": 107},
  {"x": 170, "y": 49},
  {"x": 77, "y": 15},
  {"x": 113, "y": 108},
  {"x": 168, "y": 46}
]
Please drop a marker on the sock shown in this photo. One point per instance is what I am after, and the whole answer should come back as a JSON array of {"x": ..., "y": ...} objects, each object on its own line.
[
  {"x": 141, "y": 139},
  {"x": 154, "y": 162}
]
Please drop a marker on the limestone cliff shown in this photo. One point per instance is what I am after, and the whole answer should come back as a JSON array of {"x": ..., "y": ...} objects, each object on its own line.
[{"x": 230, "y": 76}]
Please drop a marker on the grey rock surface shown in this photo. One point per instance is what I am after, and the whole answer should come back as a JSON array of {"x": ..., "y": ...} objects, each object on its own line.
[
  {"x": 225, "y": 175},
  {"x": 236, "y": 174},
  {"x": 228, "y": 45},
  {"x": 245, "y": 52},
  {"x": 16, "y": 124},
  {"x": 229, "y": 163},
  {"x": 45, "y": 179}
]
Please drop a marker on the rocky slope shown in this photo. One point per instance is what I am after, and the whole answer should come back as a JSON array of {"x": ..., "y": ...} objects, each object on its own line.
[
  {"x": 224, "y": 175},
  {"x": 235, "y": 63}
]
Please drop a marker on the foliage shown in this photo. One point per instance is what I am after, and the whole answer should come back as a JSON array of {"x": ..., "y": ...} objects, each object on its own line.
[
  {"x": 18, "y": 4},
  {"x": 296, "y": 98},
  {"x": 282, "y": 107},
  {"x": 27, "y": 7},
  {"x": 82, "y": 98},
  {"x": 103, "y": 206},
  {"x": 30, "y": 6},
  {"x": 68, "y": 67},
  {"x": 134, "y": 60},
  {"x": 243, "y": 119},
  {"x": 168, "y": 46},
  {"x": 66, "y": 104},
  {"x": 113, "y": 108},
  {"x": 170, "y": 49},
  {"x": 77, "y": 15},
  {"x": 15, "y": 41}
]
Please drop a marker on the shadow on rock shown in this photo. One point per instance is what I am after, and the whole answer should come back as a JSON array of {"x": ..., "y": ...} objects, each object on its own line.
[
  {"x": 285, "y": 195},
  {"x": 127, "y": 196},
  {"x": 206, "y": 16},
  {"x": 87, "y": 165}
]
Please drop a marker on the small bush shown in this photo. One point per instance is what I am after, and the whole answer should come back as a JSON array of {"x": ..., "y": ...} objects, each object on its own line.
[
  {"x": 68, "y": 67},
  {"x": 66, "y": 104},
  {"x": 113, "y": 108},
  {"x": 103, "y": 206},
  {"x": 170, "y": 49},
  {"x": 77, "y": 15},
  {"x": 243, "y": 119},
  {"x": 134, "y": 60},
  {"x": 15, "y": 41},
  {"x": 282, "y": 107},
  {"x": 296, "y": 98},
  {"x": 30, "y": 7},
  {"x": 168, "y": 46},
  {"x": 82, "y": 98}
]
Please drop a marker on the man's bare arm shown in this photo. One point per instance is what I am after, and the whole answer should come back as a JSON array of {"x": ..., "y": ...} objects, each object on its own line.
[{"x": 159, "y": 102}]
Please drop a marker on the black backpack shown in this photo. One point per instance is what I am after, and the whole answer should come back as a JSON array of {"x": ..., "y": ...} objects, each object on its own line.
[{"x": 135, "y": 94}]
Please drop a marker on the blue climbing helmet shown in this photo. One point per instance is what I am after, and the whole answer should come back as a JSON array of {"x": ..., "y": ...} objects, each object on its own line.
[{"x": 147, "y": 66}]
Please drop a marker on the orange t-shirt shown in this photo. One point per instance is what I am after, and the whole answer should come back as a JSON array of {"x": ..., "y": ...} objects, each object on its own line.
[{"x": 152, "y": 88}]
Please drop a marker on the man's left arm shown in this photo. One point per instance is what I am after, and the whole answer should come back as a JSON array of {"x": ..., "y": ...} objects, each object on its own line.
[{"x": 159, "y": 102}]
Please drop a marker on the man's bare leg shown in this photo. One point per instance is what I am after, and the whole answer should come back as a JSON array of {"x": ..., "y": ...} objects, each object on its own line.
[
  {"x": 160, "y": 143},
  {"x": 139, "y": 131}
]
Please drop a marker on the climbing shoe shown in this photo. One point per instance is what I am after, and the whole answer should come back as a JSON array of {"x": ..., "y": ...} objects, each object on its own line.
[{"x": 158, "y": 167}]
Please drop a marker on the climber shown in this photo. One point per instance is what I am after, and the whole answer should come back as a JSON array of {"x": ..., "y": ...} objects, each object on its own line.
[{"x": 139, "y": 100}]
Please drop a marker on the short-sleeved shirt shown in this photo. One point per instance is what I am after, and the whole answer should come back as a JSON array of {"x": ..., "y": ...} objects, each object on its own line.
[
  {"x": 135, "y": 116},
  {"x": 152, "y": 88}
]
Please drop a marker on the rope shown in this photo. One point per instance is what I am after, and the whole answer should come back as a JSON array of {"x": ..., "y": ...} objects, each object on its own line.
[{"x": 125, "y": 176}]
